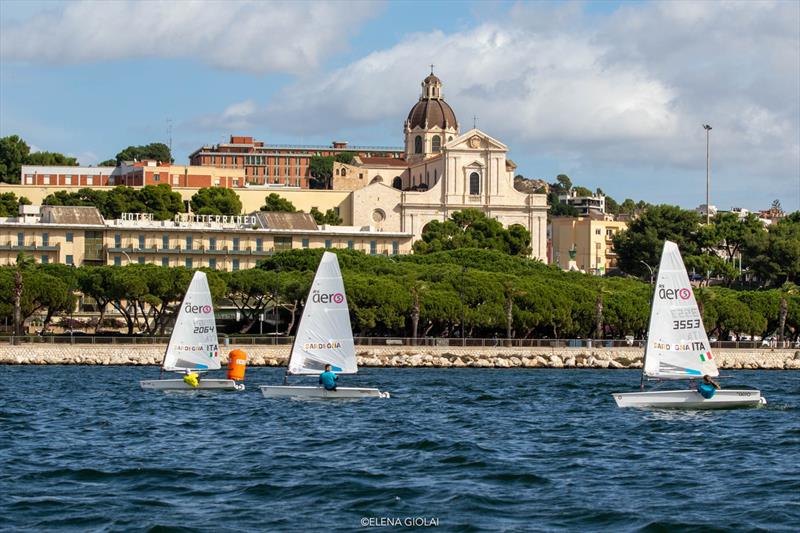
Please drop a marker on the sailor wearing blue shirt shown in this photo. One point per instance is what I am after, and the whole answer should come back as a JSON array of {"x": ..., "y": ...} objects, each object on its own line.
[
  {"x": 707, "y": 388},
  {"x": 328, "y": 379}
]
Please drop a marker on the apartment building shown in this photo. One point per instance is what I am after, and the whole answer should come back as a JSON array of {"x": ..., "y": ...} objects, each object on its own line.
[
  {"x": 80, "y": 236},
  {"x": 585, "y": 244}
]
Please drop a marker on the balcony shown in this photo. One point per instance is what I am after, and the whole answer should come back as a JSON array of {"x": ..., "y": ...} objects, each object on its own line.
[{"x": 30, "y": 247}]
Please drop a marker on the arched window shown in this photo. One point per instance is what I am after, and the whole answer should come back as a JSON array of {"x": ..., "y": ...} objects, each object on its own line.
[
  {"x": 397, "y": 182},
  {"x": 450, "y": 138},
  {"x": 418, "y": 145},
  {"x": 474, "y": 183},
  {"x": 435, "y": 175},
  {"x": 436, "y": 144}
]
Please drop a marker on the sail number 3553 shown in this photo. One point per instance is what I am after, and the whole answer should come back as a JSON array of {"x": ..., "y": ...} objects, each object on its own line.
[{"x": 686, "y": 324}]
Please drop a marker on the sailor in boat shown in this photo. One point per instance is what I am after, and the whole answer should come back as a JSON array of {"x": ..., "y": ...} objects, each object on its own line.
[
  {"x": 328, "y": 379},
  {"x": 708, "y": 387}
]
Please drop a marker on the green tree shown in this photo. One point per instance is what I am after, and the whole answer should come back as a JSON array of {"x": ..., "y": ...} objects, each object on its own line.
[
  {"x": 275, "y": 202},
  {"x": 321, "y": 169},
  {"x": 153, "y": 151},
  {"x": 9, "y": 204},
  {"x": 471, "y": 228},
  {"x": 348, "y": 158},
  {"x": 107, "y": 163},
  {"x": 776, "y": 260},
  {"x": 329, "y": 217},
  {"x": 13, "y": 154},
  {"x": 216, "y": 201},
  {"x": 645, "y": 236},
  {"x": 51, "y": 158}
]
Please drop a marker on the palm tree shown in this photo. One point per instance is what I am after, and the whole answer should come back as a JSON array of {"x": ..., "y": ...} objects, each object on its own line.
[{"x": 24, "y": 263}]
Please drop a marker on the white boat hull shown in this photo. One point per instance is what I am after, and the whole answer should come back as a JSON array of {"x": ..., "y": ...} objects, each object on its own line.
[
  {"x": 204, "y": 384},
  {"x": 290, "y": 391},
  {"x": 690, "y": 399}
]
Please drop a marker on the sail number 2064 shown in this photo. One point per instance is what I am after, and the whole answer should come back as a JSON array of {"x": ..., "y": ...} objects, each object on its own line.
[
  {"x": 204, "y": 329},
  {"x": 686, "y": 324}
]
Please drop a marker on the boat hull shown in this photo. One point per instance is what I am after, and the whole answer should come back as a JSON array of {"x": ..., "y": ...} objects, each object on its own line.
[
  {"x": 179, "y": 384},
  {"x": 690, "y": 399},
  {"x": 290, "y": 391}
]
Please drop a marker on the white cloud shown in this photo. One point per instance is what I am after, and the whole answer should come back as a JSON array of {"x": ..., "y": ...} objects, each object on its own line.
[
  {"x": 628, "y": 90},
  {"x": 249, "y": 36}
]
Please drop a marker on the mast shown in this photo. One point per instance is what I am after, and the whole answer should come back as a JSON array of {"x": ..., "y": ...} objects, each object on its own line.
[{"x": 649, "y": 319}]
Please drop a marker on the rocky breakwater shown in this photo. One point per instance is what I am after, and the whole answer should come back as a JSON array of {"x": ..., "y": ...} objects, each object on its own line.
[{"x": 398, "y": 356}]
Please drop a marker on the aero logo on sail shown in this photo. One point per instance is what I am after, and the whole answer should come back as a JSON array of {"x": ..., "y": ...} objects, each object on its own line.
[
  {"x": 203, "y": 309},
  {"x": 334, "y": 297},
  {"x": 674, "y": 294}
]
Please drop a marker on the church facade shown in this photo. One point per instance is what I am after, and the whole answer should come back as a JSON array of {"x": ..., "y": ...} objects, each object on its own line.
[{"x": 443, "y": 170}]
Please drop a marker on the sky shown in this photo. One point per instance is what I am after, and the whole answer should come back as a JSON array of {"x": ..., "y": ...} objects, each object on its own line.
[{"x": 613, "y": 94}]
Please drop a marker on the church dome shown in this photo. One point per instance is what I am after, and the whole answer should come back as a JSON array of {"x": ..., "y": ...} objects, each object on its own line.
[{"x": 431, "y": 110}]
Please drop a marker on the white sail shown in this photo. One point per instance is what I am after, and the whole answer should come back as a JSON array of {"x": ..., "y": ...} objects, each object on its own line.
[
  {"x": 324, "y": 335},
  {"x": 194, "y": 344},
  {"x": 677, "y": 344}
]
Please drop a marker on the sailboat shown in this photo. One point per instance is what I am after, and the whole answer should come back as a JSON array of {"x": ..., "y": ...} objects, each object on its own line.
[
  {"x": 323, "y": 337},
  {"x": 193, "y": 346},
  {"x": 678, "y": 348}
]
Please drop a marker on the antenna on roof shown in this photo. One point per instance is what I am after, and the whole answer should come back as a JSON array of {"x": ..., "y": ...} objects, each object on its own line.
[{"x": 169, "y": 136}]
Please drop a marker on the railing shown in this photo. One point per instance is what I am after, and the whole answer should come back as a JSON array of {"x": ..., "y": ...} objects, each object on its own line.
[{"x": 266, "y": 340}]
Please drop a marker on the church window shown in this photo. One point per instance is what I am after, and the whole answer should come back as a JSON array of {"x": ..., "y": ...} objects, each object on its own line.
[
  {"x": 474, "y": 183},
  {"x": 436, "y": 144},
  {"x": 418, "y": 144},
  {"x": 397, "y": 183},
  {"x": 450, "y": 138}
]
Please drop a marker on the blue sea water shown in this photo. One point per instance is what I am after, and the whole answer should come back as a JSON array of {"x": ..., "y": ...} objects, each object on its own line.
[{"x": 84, "y": 449}]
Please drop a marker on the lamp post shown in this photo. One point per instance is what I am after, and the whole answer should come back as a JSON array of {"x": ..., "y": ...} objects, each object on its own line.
[
  {"x": 650, "y": 269},
  {"x": 708, "y": 173}
]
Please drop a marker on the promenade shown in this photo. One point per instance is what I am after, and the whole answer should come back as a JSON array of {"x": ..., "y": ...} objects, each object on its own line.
[{"x": 480, "y": 353}]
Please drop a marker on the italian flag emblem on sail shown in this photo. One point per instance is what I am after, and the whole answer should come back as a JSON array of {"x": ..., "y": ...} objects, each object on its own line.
[{"x": 706, "y": 357}]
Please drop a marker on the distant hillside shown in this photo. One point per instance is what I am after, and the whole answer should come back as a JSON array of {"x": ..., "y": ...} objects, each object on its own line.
[{"x": 529, "y": 186}]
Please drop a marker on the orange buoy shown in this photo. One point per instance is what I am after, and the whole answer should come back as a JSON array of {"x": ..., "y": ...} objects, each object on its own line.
[{"x": 237, "y": 362}]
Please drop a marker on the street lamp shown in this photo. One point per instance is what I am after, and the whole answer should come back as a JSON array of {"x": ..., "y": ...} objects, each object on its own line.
[
  {"x": 648, "y": 268},
  {"x": 708, "y": 174}
]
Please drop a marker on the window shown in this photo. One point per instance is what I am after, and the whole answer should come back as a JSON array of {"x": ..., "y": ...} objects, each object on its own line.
[
  {"x": 597, "y": 231},
  {"x": 70, "y": 236},
  {"x": 373, "y": 247},
  {"x": 117, "y": 240},
  {"x": 236, "y": 244},
  {"x": 189, "y": 262},
  {"x": 141, "y": 259},
  {"x": 212, "y": 243},
  {"x": 45, "y": 259},
  {"x": 212, "y": 263},
  {"x": 20, "y": 239},
  {"x": 395, "y": 247},
  {"x": 349, "y": 245},
  {"x": 156, "y": 177},
  {"x": 165, "y": 261},
  {"x": 235, "y": 264},
  {"x": 305, "y": 244},
  {"x": 474, "y": 183},
  {"x": 70, "y": 260},
  {"x": 435, "y": 175},
  {"x": 418, "y": 145},
  {"x": 68, "y": 179},
  {"x": 189, "y": 241},
  {"x": 117, "y": 260},
  {"x": 89, "y": 180},
  {"x": 609, "y": 232},
  {"x": 175, "y": 179},
  {"x": 282, "y": 243},
  {"x": 93, "y": 246},
  {"x": 397, "y": 182},
  {"x": 327, "y": 243},
  {"x": 165, "y": 241},
  {"x": 46, "y": 179},
  {"x": 436, "y": 144},
  {"x": 28, "y": 179},
  {"x": 141, "y": 242},
  {"x": 45, "y": 239},
  {"x": 259, "y": 245}
]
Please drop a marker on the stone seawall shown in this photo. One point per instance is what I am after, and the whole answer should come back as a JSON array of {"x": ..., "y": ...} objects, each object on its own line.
[{"x": 399, "y": 356}]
